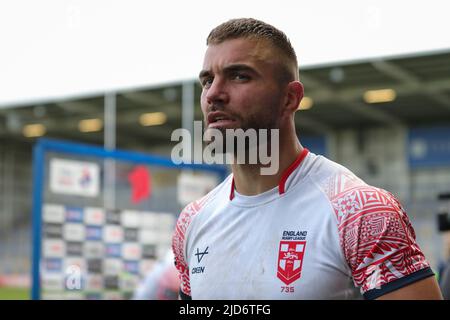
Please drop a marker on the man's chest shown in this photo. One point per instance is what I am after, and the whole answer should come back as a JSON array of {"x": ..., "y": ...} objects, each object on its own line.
[{"x": 266, "y": 254}]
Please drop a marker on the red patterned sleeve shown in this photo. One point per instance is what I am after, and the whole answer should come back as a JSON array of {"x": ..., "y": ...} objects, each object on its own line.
[
  {"x": 378, "y": 241},
  {"x": 178, "y": 245}
]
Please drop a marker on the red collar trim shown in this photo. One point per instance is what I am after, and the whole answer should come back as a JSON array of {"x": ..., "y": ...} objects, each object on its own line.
[
  {"x": 292, "y": 167},
  {"x": 284, "y": 177},
  {"x": 232, "y": 190}
]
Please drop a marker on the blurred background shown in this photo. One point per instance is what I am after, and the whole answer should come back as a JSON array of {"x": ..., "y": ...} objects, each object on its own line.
[{"x": 122, "y": 75}]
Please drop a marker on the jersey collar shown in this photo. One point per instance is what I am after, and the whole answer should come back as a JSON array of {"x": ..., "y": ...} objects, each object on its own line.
[{"x": 284, "y": 177}]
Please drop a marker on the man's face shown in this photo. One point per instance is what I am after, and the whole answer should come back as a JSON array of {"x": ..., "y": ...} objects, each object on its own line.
[{"x": 240, "y": 88}]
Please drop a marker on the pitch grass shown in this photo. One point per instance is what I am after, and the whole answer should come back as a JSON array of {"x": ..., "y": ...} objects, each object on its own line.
[{"x": 8, "y": 293}]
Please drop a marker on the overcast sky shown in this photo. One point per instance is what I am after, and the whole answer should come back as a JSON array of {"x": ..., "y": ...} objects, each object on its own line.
[{"x": 65, "y": 48}]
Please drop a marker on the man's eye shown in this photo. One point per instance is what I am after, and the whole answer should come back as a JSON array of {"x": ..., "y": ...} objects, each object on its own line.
[
  {"x": 207, "y": 82},
  {"x": 241, "y": 77}
]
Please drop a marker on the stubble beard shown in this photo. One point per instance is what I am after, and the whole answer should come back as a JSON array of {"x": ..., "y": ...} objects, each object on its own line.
[{"x": 266, "y": 122}]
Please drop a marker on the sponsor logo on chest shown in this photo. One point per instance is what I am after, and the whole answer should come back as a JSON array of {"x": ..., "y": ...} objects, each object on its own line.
[{"x": 200, "y": 255}]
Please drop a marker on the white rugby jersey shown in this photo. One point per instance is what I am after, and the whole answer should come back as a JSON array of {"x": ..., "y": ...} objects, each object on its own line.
[{"x": 322, "y": 233}]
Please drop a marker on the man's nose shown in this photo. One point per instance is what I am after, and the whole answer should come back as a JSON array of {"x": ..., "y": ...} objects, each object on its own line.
[{"x": 217, "y": 92}]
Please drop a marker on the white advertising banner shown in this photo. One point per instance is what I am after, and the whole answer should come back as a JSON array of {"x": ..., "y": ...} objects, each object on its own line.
[
  {"x": 79, "y": 178},
  {"x": 192, "y": 186}
]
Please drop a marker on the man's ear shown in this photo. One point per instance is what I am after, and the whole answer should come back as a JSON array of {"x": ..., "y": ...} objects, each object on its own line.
[{"x": 294, "y": 95}]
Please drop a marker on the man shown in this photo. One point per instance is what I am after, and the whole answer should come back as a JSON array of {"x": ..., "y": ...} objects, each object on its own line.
[{"x": 313, "y": 230}]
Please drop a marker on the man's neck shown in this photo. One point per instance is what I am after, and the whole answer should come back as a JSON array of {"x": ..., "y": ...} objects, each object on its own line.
[{"x": 248, "y": 179}]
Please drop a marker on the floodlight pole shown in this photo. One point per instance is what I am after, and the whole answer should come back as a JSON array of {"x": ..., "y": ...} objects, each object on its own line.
[
  {"x": 110, "y": 121},
  {"x": 187, "y": 107},
  {"x": 109, "y": 144}
]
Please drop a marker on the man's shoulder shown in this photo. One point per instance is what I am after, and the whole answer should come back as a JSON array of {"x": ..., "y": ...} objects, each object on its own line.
[
  {"x": 188, "y": 215},
  {"x": 347, "y": 192},
  {"x": 333, "y": 178}
]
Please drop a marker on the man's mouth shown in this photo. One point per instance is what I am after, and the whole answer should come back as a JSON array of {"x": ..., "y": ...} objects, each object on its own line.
[
  {"x": 219, "y": 120},
  {"x": 221, "y": 123}
]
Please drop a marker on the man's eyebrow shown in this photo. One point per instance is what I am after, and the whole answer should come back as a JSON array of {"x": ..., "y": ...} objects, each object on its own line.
[
  {"x": 229, "y": 69},
  {"x": 238, "y": 67}
]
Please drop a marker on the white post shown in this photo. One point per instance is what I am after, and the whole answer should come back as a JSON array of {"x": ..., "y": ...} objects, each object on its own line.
[
  {"x": 109, "y": 144},
  {"x": 187, "y": 114}
]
